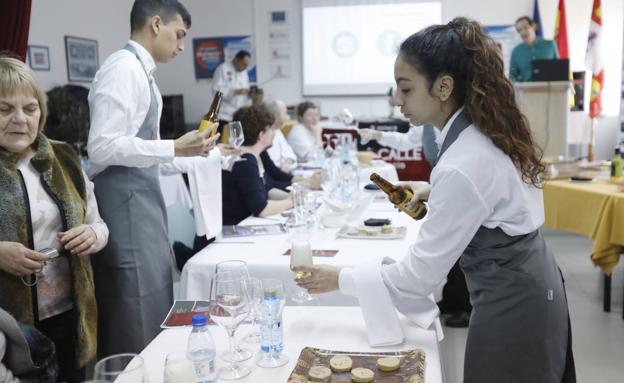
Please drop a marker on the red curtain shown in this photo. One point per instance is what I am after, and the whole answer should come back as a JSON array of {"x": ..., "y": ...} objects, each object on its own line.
[{"x": 14, "y": 26}]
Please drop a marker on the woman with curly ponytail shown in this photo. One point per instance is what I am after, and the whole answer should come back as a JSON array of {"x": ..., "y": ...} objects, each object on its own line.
[{"x": 485, "y": 209}]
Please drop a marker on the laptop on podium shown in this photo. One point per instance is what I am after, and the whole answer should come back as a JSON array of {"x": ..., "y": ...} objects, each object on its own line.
[{"x": 550, "y": 70}]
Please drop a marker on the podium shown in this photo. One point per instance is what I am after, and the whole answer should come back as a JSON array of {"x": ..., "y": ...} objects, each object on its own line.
[{"x": 546, "y": 104}]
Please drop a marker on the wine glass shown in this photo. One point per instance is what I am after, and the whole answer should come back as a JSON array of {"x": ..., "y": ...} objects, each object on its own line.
[
  {"x": 256, "y": 296},
  {"x": 272, "y": 306},
  {"x": 301, "y": 255},
  {"x": 236, "y": 137},
  {"x": 237, "y": 266},
  {"x": 231, "y": 308},
  {"x": 120, "y": 368},
  {"x": 179, "y": 368}
]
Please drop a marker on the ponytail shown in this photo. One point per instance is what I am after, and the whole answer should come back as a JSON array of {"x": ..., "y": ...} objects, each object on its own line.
[{"x": 462, "y": 50}]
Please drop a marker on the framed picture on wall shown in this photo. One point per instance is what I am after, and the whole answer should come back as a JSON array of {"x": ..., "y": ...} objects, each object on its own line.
[
  {"x": 82, "y": 58},
  {"x": 39, "y": 57}
]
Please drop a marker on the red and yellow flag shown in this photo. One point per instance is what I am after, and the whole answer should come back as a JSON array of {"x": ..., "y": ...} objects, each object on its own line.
[
  {"x": 561, "y": 32},
  {"x": 593, "y": 60}
]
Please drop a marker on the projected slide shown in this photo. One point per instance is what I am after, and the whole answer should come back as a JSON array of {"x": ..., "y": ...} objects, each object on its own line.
[{"x": 351, "y": 49}]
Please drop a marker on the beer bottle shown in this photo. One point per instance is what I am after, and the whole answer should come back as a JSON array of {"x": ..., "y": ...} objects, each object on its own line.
[
  {"x": 212, "y": 115},
  {"x": 399, "y": 196}
]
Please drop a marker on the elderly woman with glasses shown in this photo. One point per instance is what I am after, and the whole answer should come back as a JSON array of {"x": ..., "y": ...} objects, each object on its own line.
[{"x": 46, "y": 202}]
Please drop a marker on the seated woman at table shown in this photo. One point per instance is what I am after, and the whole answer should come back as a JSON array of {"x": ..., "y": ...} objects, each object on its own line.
[
  {"x": 485, "y": 206},
  {"x": 305, "y": 137},
  {"x": 243, "y": 188},
  {"x": 46, "y": 202}
]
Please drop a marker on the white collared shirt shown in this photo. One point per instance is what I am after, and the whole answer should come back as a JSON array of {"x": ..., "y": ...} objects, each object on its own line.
[
  {"x": 405, "y": 141},
  {"x": 474, "y": 184},
  {"x": 227, "y": 79},
  {"x": 281, "y": 151},
  {"x": 302, "y": 142},
  {"x": 119, "y": 101}
]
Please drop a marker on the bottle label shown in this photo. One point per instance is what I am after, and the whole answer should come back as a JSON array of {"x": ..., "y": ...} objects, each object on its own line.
[{"x": 204, "y": 124}]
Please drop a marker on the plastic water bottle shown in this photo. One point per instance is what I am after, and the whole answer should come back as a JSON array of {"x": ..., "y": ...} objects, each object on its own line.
[
  {"x": 271, "y": 312},
  {"x": 201, "y": 349}
]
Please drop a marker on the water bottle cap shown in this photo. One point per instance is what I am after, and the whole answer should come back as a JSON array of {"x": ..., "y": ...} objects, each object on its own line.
[{"x": 200, "y": 320}]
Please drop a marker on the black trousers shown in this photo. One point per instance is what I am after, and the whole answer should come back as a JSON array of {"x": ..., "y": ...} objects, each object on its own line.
[
  {"x": 200, "y": 242},
  {"x": 61, "y": 329},
  {"x": 455, "y": 296}
]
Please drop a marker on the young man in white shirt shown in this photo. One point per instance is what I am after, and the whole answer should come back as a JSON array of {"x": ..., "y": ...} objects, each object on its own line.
[
  {"x": 232, "y": 79},
  {"x": 133, "y": 272}
]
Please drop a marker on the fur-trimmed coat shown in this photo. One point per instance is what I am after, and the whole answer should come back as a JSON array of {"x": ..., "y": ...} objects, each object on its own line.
[{"x": 62, "y": 178}]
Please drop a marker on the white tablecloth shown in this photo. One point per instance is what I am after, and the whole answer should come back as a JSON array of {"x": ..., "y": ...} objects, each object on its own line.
[
  {"x": 264, "y": 258},
  {"x": 383, "y": 168},
  {"x": 333, "y": 328}
]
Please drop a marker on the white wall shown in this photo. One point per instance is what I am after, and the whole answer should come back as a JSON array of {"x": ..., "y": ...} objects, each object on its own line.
[{"x": 109, "y": 24}]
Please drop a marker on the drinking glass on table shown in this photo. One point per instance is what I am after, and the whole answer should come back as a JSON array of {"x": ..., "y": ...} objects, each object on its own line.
[
  {"x": 179, "y": 368},
  {"x": 231, "y": 308},
  {"x": 120, "y": 368},
  {"x": 240, "y": 353},
  {"x": 300, "y": 255}
]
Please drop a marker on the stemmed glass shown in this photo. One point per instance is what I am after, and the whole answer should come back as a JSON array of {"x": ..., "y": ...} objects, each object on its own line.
[
  {"x": 256, "y": 296},
  {"x": 236, "y": 137},
  {"x": 300, "y": 255},
  {"x": 232, "y": 307},
  {"x": 240, "y": 353},
  {"x": 119, "y": 368},
  {"x": 272, "y": 306}
]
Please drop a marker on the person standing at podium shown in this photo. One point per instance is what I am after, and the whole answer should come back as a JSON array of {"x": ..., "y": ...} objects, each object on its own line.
[{"x": 531, "y": 48}]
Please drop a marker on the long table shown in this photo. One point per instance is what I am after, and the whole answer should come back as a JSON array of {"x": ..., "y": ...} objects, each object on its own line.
[
  {"x": 265, "y": 259},
  {"x": 332, "y": 328}
]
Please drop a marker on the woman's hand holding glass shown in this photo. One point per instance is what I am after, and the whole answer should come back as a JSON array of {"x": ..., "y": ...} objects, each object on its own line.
[{"x": 318, "y": 278}]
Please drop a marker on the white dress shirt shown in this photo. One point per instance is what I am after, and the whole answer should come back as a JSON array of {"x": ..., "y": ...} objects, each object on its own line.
[
  {"x": 54, "y": 282},
  {"x": 302, "y": 142},
  {"x": 118, "y": 101},
  {"x": 405, "y": 141},
  {"x": 227, "y": 79},
  {"x": 281, "y": 151},
  {"x": 474, "y": 184}
]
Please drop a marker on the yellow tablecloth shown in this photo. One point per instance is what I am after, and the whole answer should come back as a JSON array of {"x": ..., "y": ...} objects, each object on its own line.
[{"x": 595, "y": 210}]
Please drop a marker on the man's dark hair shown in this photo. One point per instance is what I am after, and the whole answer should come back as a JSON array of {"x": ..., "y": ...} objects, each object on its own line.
[
  {"x": 142, "y": 10},
  {"x": 242, "y": 54}
]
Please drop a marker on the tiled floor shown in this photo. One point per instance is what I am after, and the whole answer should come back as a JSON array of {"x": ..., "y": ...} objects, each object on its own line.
[{"x": 598, "y": 337}]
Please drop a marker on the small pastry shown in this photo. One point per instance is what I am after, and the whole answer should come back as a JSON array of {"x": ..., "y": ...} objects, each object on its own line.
[
  {"x": 319, "y": 374},
  {"x": 386, "y": 229},
  {"x": 388, "y": 364},
  {"x": 362, "y": 375},
  {"x": 341, "y": 363}
]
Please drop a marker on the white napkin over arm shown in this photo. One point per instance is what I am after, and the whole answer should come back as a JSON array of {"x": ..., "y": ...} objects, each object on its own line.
[
  {"x": 379, "y": 304},
  {"x": 205, "y": 186}
]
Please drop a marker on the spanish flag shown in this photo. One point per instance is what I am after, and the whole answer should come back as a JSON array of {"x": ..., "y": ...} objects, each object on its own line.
[
  {"x": 593, "y": 59},
  {"x": 561, "y": 32}
]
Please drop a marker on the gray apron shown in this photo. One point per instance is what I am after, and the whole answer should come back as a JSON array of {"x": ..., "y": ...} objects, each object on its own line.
[
  {"x": 133, "y": 283},
  {"x": 519, "y": 328}
]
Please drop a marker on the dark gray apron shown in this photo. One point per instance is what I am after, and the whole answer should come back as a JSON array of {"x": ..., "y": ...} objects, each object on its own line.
[
  {"x": 133, "y": 283},
  {"x": 519, "y": 328}
]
